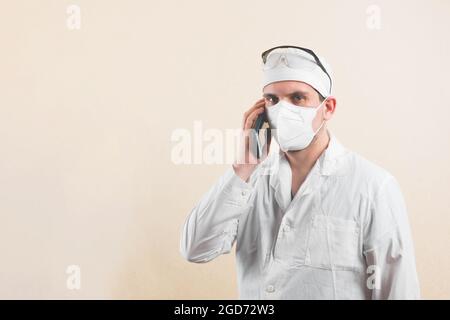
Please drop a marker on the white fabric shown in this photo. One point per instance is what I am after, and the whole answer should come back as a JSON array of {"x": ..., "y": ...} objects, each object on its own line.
[
  {"x": 293, "y": 125},
  {"x": 309, "y": 72},
  {"x": 348, "y": 215}
]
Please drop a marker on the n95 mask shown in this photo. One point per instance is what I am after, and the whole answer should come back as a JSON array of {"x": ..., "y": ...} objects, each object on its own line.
[{"x": 293, "y": 124}]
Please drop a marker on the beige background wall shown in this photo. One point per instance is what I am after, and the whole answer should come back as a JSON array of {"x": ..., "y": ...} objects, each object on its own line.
[{"x": 86, "y": 118}]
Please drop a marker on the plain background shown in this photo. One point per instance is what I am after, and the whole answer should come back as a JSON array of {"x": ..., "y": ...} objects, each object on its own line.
[{"x": 86, "y": 118}]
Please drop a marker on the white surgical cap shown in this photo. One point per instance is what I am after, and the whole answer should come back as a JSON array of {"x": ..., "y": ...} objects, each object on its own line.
[{"x": 300, "y": 66}]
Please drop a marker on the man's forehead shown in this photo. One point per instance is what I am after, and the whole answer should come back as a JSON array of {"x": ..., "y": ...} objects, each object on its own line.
[{"x": 287, "y": 88}]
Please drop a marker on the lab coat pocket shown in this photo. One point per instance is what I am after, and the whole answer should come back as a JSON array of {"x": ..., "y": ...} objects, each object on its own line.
[{"x": 332, "y": 243}]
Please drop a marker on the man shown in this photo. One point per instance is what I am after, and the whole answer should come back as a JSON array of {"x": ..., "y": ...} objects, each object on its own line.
[{"x": 326, "y": 223}]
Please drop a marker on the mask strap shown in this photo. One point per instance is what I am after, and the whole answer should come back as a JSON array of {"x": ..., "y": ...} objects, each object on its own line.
[{"x": 323, "y": 102}]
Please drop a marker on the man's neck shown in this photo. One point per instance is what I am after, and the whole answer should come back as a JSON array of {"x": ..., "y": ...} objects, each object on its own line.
[{"x": 303, "y": 160}]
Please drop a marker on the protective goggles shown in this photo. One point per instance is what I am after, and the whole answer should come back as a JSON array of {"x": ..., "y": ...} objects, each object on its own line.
[{"x": 292, "y": 60}]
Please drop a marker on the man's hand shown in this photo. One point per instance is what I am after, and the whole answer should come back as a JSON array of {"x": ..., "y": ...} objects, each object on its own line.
[{"x": 247, "y": 161}]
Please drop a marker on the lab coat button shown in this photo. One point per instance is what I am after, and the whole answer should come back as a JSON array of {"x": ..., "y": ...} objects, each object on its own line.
[
  {"x": 287, "y": 228},
  {"x": 270, "y": 289}
]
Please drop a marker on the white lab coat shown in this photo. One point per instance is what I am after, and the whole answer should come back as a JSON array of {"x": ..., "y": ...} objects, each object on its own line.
[{"x": 345, "y": 234}]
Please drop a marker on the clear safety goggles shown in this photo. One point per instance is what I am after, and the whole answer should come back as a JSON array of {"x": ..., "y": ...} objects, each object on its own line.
[{"x": 292, "y": 60}]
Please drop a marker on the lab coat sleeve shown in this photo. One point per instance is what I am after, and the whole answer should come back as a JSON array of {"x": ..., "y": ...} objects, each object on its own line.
[
  {"x": 388, "y": 246},
  {"x": 211, "y": 227}
]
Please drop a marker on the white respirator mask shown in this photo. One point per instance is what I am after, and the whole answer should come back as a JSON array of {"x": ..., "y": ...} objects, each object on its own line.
[{"x": 293, "y": 124}]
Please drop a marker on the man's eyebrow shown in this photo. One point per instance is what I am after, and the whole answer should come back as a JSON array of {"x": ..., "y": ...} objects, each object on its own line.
[{"x": 300, "y": 93}]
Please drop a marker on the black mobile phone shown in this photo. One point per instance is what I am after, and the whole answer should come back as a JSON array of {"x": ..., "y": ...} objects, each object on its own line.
[{"x": 259, "y": 123}]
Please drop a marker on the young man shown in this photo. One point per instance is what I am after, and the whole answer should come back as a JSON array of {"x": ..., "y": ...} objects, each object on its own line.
[{"x": 326, "y": 223}]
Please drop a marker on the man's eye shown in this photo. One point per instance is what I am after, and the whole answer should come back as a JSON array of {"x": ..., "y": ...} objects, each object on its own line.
[
  {"x": 298, "y": 98},
  {"x": 272, "y": 100}
]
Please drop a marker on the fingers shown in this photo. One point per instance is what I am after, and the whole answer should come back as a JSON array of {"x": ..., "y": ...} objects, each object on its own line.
[
  {"x": 260, "y": 104},
  {"x": 251, "y": 119}
]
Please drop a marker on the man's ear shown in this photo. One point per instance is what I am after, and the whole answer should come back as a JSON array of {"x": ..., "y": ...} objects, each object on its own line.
[{"x": 330, "y": 106}]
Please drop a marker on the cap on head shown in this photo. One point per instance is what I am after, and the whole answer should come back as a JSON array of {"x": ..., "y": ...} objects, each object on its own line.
[{"x": 290, "y": 63}]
